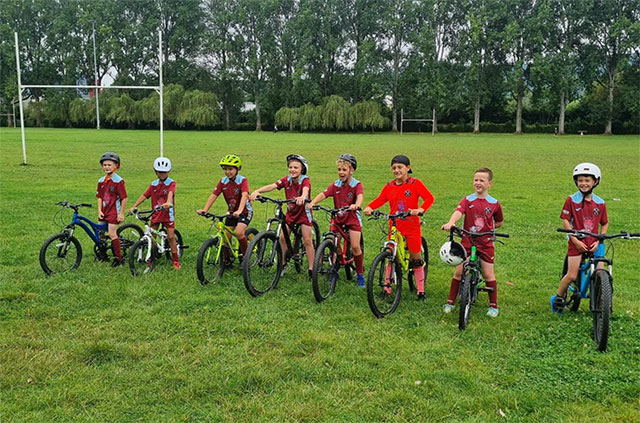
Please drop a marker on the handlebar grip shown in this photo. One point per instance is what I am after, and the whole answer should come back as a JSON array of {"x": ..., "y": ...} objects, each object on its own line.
[
  {"x": 566, "y": 231},
  {"x": 85, "y": 205},
  {"x": 501, "y": 235}
]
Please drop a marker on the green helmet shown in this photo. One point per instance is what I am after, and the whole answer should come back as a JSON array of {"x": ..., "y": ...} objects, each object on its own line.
[{"x": 231, "y": 160}]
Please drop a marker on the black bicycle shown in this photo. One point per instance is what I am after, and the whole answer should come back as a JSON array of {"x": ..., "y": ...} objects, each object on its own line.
[{"x": 264, "y": 263}]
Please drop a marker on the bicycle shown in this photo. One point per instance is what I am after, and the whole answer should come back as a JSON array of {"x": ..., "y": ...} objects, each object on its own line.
[
  {"x": 153, "y": 244},
  {"x": 472, "y": 280},
  {"x": 333, "y": 252},
  {"x": 595, "y": 284},
  {"x": 215, "y": 251},
  {"x": 264, "y": 264},
  {"x": 62, "y": 251},
  {"x": 384, "y": 281}
]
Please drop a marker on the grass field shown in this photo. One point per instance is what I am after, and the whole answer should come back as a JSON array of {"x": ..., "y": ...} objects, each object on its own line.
[{"x": 100, "y": 345}]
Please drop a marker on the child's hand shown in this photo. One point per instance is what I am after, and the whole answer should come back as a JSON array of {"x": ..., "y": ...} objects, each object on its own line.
[
  {"x": 367, "y": 211},
  {"x": 200, "y": 211},
  {"x": 593, "y": 247},
  {"x": 254, "y": 195},
  {"x": 580, "y": 246},
  {"x": 166, "y": 205},
  {"x": 300, "y": 200},
  {"x": 415, "y": 212},
  {"x": 236, "y": 213},
  {"x": 447, "y": 226},
  {"x": 120, "y": 217},
  {"x": 131, "y": 210},
  {"x": 100, "y": 215}
]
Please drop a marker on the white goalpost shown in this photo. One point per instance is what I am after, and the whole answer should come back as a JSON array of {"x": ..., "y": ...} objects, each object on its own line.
[
  {"x": 158, "y": 88},
  {"x": 403, "y": 120}
]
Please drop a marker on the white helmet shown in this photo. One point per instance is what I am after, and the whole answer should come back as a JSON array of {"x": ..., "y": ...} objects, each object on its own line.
[
  {"x": 452, "y": 253},
  {"x": 587, "y": 169},
  {"x": 162, "y": 164}
]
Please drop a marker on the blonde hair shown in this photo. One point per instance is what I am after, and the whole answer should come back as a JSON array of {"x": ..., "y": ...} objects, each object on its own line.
[{"x": 341, "y": 162}]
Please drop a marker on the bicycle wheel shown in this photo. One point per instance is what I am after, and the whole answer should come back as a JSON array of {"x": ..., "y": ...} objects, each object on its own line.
[
  {"x": 210, "y": 263},
  {"x": 326, "y": 265},
  {"x": 384, "y": 285},
  {"x": 573, "y": 287},
  {"x": 179, "y": 244},
  {"x": 601, "y": 306},
  {"x": 129, "y": 234},
  {"x": 141, "y": 260},
  {"x": 262, "y": 266},
  {"x": 60, "y": 253},
  {"x": 465, "y": 301},
  {"x": 425, "y": 258}
]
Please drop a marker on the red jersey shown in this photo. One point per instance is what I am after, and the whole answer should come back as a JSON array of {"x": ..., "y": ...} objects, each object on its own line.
[
  {"x": 345, "y": 195},
  {"x": 480, "y": 215},
  {"x": 293, "y": 189},
  {"x": 404, "y": 196},
  {"x": 112, "y": 191},
  {"x": 585, "y": 215},
  {"x": 159, "y": 193},
  {"x": 232, "y": 191}
]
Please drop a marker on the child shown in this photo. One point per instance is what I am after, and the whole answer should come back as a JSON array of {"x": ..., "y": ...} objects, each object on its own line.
[
  {"x": 347, "y": 191},
  {"x": 582, "y": 211},
  {"x": 235, "y": 189},
  {"x": 162, "y": 192},
  {"x": 296, "y": 186},
  {"x": 482, "y": 213},
  {"x": 112, "y": 200},
  {"x": 402, "y": 194}
]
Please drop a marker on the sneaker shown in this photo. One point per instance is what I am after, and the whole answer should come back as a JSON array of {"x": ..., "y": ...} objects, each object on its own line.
[
  {"x": 117, "y": 262},
  {"x": 176, "y": 265},
  {"x": 421, "y": 296},
  {"x": 557, "y": 303},
  {"x": 361, "y": 283},
  {"x": 492, "y": 312},
  {"x": 448, "y": 308}
]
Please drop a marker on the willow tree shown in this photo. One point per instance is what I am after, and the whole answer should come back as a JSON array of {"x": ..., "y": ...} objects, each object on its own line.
[{"x": 336, "y": 113}]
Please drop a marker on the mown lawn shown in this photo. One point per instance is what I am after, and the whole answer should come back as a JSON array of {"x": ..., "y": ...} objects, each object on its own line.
[{"x": 101, "y": 345}]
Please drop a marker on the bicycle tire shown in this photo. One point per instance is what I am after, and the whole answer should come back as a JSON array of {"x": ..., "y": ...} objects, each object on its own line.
[
  {"x": 138, "y": 263},
  {"x": 326, "y": 265},
  {"x": 179, "y": 244},
  {"x": 425, "y": 258},
  {"x": 383, "y": 296},
  {"x": 465, "y": 301},
  {"x": 60, "y": 261},
  {"x": 210, "y": 263},
  {"x": 262, "y": 272},
  {"x": 602, "y": 298},
  {"x": 129, "y": 234}
]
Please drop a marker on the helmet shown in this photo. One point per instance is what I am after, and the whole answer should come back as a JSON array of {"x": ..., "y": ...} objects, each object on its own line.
[
  {"x": 349, "y": 158},
  {"x": 452, "y": 253},
  {"x": 110, "y": 156},
  {"x": 302, "y": 160},
  {"x": 587, "y": 169},
  {"x": 162, "y": 164},
  {"x": 231, "y": 160}
]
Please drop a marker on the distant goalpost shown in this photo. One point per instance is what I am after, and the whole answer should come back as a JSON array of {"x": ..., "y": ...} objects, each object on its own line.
[
  {"x": 403, "y": 120},
  {"x": 158, "y": 88}
]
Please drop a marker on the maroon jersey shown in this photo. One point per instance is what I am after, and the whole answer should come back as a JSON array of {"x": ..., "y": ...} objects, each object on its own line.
[
  {"x": 405, "y": 196},
  {"x": 159, "y": 193},
  {"x": 112, "y": 191},
  {"x": 232, "y": 191},
  {"x": 346, "y": 195},
  {"x": 480, "y": 215},
  {"x": 292, "y": 189},
  {"x": 585, "y": 215}
]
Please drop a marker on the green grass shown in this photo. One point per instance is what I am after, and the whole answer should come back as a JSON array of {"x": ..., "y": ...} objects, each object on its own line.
[{"x": 100, "y": 345}]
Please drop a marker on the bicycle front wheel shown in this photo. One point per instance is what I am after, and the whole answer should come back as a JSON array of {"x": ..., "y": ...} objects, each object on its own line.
[
  {"x": 210, "y": 263},
  {"x": 60, "y": 253},
  {"x": 384, "y": 285},
  {"x": 129, "y": 234},
  {"x": 262, "y": 266},
  {"x": 326, "y": 265},
  {"x": 142, "y": 259},
  {"x": 465, "y": 301},
  {"x": 601, "y": 306}
]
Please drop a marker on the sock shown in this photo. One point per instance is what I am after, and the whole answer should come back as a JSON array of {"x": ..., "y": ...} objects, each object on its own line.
[
  {"x": 359, "y": 261},
  {"x": 493, "y": 296},
  {"x": 243, "y": 245},
  {"x": 387, "y": 279},
  {"x": 453, "y": 291},
  {"x": 115, "y": 246},
  {"x": 418, "y": 273},
  {"x": 175, "y": 258},
  {"x": 226, "y": 254}
]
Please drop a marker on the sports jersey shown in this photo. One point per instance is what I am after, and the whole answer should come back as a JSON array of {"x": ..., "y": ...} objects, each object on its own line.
[
  {"x": 159, "y": 193},
  {"x": 346, "y": 195},
  {"x": 480, "y": 215},
  {"x": 112, "y": 191},
  {"x": 585, "y": 215},
  {"x": 232, "y": 190},
  {"x": 405, "y": 196},
  {"x": 293, "y": 189}
]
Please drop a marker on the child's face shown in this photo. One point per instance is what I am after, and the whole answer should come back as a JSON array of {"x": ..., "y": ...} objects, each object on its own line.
[
  {"x": 481, "y": 182},
  {"x": 585, "y": 183},
  {"x": 295, "y": 169},
  {"x": 400, "y": 171},
  {"x": 344, "y": 171},
  {"x": 230, "y": 171},
  {"x": 109, "y": 166},
  {"x": 162, "y": 175}
]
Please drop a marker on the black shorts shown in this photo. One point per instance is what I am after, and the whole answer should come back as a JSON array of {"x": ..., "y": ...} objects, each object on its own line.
[{"x": 243, "y": 218}]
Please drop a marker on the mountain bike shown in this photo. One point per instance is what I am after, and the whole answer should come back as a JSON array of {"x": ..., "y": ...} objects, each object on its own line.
[
  {"x": 220, "y": 251},
  {"x": 264, "y": 264},
  {"x": 153, "y": 244},
  {"x": 595, "y": 283},
  {"x": 384, "y": 281},
  {"x": 63, "y": 252},
  {"x": 472, "y": 280},
  {"x": 333, "y": 252}
]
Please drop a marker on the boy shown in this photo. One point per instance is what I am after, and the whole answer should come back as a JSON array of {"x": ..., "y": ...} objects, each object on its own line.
[
  {"x": 235, "y": 189},
  {"x": 482, "y": 213},
  {"x": 347, "y": 191},
  {"x": 402, "y": 194},
  {"x": 296, "y": 186},
  {"x": 162, "y": 192},
  {"x": 112, "y": 200},
  {"x": 582, "y": 211}
]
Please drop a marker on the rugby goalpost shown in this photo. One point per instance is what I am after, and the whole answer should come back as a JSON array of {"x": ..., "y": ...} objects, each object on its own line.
[
  {"x": 158, "y": 88},
  {"x": 403, "y": 120}
]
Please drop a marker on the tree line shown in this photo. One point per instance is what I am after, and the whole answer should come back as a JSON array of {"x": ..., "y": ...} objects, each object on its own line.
[{"x": 570, "y": 64}]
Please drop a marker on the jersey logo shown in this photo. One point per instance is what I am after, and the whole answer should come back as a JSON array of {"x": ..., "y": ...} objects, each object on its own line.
[
  {"x": 407, "y": 193},
  {"x": 578, "y": 209},
  {"x": 596, "y": 212},
  {"x": 487, "y": 210},
  {"x": 236, "y": 190},
  {"x": 565, "y": 211},
  {"x": 350, "y": 195},
  {"x": 112, "y": 188}
]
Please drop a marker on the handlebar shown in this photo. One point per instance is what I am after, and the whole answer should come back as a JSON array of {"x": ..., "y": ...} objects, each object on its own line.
[
  {"x": 333, "y": 212},
  {"x": 473, "y": 234},
  {"x": 375, "y": 215},
  {"x": 139, "y": 214},
  {"x": 212, "y": 216},
  {"x": 264, "y": 199},
  {"x": 601, "y": 237},
  {"x": 73, "y": 206}
]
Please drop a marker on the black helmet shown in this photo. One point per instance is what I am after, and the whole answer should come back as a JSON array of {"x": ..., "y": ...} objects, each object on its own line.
[
  {"x": 349, "y": 158},
  {"x": 302, "y": 160},
  {"x": 109, "y": 155}
]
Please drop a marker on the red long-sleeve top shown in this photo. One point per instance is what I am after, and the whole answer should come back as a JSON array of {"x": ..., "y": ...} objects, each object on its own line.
[{"x": 402, "y": 197}]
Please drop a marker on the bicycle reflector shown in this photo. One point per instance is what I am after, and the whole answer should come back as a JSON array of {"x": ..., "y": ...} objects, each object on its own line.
[{"x": 452, "y": 253}]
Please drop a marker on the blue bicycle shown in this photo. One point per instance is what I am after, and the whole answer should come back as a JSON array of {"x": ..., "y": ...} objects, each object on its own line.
[{"x": 62, "y": 252}]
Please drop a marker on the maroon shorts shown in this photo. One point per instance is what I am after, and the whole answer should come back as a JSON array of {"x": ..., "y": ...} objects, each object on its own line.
[
  {"x": 572, "y": 251},
  {"x": 167, "y": 224},
  {"x": 298, "y": 220},
  {"x": 485, "y": 251}
]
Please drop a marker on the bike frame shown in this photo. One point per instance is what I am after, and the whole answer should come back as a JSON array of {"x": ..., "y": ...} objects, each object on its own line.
[
  {"x": 396, "y": 244},
  {"x": 337, "y": 234},
  {"x": 588, "y": 267},
  {"x": 283, "y": 226},
  {"x": 93, "y": 229}
]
